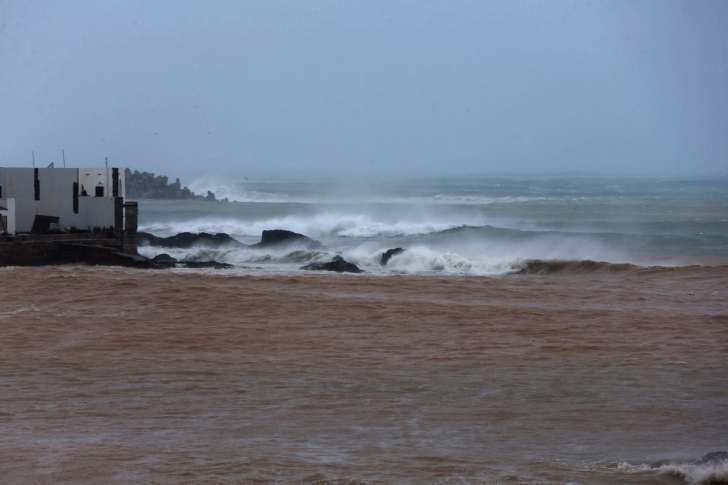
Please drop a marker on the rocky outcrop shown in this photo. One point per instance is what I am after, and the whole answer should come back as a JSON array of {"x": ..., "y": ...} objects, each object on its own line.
[
  {"x": 338, "y": 264},
  {"x": 145, "y": 185},
  {"x": 387, "y": 255},
  {"x": 205, "y": 264},
  {"x": 164, "y": 260},
  {"x": 186, "y": 240},
  {"x": 280, "y": 237}
]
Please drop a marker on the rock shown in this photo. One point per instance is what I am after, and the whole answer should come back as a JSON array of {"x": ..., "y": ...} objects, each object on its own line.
[
  {"x": 145, "y": 185},
  {"x": 164, "y": 260},
  {"x": 277, "y": 237},
  {"x": 387, "y": 255},
  {"x": 338, "y": 264},
  {"x": 206, "y": 264},
  {"x": 187, "y": 240}
]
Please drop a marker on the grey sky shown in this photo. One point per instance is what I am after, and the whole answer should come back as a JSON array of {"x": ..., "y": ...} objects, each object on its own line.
[{"x": 271, "y": 88}]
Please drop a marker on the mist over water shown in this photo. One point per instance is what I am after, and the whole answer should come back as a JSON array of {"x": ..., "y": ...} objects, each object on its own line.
[{"x": 458, "y": 226}]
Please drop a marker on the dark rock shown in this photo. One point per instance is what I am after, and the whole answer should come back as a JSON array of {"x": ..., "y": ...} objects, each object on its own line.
[
  {"x": 387, "y": 255},
  {"x": 276, "y": 237},
  {"x": 206, "y": 264},
  {"x": 187, "y": 240},
  {"x": 164, "y": 260},
  {"x": 338, "y": 264},
  {"x": 145, "y": 185}
]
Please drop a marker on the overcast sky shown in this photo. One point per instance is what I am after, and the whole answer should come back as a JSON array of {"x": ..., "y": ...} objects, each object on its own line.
[{"x": 318, "y": 87}]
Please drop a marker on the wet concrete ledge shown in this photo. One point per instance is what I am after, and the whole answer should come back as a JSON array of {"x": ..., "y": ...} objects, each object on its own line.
[{"x": 51, "y": 249}]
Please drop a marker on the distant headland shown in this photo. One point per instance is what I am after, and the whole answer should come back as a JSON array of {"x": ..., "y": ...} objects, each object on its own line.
[{"x": 146, "y": 185}]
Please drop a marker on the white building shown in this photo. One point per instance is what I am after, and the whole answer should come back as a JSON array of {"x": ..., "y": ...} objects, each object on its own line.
[{"x": 64, "y": 198}]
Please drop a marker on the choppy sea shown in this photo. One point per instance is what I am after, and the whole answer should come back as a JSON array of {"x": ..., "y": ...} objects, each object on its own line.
[{"x": 467, "y": 226}]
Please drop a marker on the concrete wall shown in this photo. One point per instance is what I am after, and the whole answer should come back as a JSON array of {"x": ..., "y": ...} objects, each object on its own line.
[
  {"x": 18, "y": 184},
  {"x": 96, "y": 212},
  {"x": 98, "y": 248},
  {"x": 90, "y": 178},
  {"x": 57, "y": 195},
  {"x": 7, "y": 210}
]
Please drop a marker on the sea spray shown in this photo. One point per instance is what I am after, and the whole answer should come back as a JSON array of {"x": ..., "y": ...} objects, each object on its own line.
[{"x": 466, "y": 227}]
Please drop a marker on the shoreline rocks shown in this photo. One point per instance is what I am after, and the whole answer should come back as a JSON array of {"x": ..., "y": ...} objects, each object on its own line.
[
  {"x": 205, "y": 264},
  {"x": 146, "y": 185},
  {"x": 387, "y": 255},
  {"x": 273, "y": 238},
  {"x": 337, "y": 264},
  {"x": 164, "y": 260},
  {"x": 278, "y": 237},
  {"x": 186, "y": 240}
]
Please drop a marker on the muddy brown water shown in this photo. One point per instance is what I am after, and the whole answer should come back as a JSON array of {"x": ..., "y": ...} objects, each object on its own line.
[{"x": 125, "y": 376}]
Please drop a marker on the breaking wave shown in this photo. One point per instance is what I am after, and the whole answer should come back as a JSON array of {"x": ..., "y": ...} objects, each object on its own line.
[
  {"x": 326, "y": 225},
  {"x": 416, "y": 259},
  {"x": 709, "y": 470},
  {"x": 457, "y": 243}
]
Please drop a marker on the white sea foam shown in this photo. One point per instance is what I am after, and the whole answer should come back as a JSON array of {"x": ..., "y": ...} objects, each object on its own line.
[
  {"x": 237, "y": 192},
  {"x": 456, "y": 245},
  {"x": 323, "y": 225},
  {"x": 425, "y": 260},
  {"x": 709, "y": 473},
  {"x": 416, "y": 259},
  {"x": 692, "y": 474}
]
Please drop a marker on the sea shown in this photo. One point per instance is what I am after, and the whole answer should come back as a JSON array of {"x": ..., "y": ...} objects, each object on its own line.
[
  {"x": 542, "y": 331},
  {"x": 456, "y": 226}
]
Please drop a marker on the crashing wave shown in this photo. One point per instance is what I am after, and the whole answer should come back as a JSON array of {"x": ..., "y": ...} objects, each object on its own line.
[
  {"x": 326, "y": 225},
  {"x": 711, "y": 469}
]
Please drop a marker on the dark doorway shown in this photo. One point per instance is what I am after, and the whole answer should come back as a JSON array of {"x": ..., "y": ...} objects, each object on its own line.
[
  {"x": 36, "y": 184},
  {"x": 115, "y": 182},
  {"x": 75, "y": 197},
  {"x": 99, "y": 191}
]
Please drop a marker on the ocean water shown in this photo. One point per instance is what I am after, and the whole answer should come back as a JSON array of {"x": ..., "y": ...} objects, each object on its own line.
[
  {"x": 204, "y": 376},
  {"x": 476, "y": 226},
  {"x": 586, "y": 378}
]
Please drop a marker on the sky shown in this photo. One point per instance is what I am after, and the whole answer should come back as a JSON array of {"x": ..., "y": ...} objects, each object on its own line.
[{"x": 379, "y": 88}]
